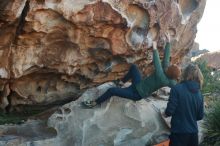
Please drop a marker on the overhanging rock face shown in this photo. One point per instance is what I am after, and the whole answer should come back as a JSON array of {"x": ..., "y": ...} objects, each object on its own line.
[{"x": 51, "y": 50}]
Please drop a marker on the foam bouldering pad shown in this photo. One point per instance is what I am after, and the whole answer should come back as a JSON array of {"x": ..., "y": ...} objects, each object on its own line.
[{"x": 164, "y": 143}]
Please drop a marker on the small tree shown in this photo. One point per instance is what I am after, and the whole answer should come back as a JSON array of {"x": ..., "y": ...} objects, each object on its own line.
[
  {"x": 211, "y": 78},
  {"x": 212, "y": 125},
  {"x": 212, "y": 117}
]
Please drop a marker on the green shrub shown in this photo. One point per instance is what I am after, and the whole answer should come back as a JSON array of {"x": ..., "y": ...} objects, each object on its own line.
[
  {"x": 211, "y": 78},
  {"x": 11, "y": 118},
  {"x": 15, "y": 117},
  {"x": 212, "y": 125}
]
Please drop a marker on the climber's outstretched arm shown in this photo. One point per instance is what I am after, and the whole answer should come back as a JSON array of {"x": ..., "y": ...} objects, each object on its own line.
[
  {"x": 166, "y": 58},
  {"x": 156, "y": 60}
]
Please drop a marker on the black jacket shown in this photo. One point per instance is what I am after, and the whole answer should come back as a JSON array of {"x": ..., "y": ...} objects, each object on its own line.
[{"x": 186, "y": 107}]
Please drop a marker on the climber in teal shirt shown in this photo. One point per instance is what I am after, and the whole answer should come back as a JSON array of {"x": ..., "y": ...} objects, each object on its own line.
[{"x": 163, "y": 75}]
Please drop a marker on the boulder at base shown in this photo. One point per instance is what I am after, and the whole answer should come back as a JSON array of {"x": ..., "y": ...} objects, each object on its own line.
[{"x": 118, "y": 122}]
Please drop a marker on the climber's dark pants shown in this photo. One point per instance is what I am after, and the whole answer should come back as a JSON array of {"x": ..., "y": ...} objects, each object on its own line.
[
  {"x": 184, "y": 139},
  {"x": 129, "y": 92}
]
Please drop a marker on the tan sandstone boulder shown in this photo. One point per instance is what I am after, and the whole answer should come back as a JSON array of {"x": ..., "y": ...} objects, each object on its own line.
[{"x": 52, "y": 50}]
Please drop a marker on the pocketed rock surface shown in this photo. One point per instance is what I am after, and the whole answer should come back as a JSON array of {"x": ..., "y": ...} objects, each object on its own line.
[{"x": 53, "y": 50}]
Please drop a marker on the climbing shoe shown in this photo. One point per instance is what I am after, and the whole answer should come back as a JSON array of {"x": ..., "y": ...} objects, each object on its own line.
[
  {"x": 118, "y": 83},
  {"x": 89, "y": 104}
]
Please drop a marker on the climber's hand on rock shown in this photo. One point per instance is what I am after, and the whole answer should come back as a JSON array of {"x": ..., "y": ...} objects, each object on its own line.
[
  {"x": 154, "y": 45},
  {"x": 168, "y": 37}
]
